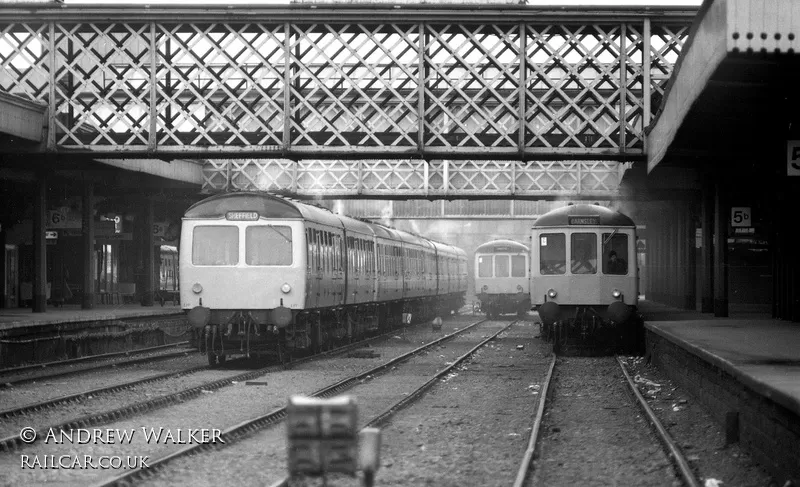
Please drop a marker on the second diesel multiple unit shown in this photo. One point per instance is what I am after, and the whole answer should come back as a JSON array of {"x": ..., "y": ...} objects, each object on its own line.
[
  {"x": 584, "y": 279},
  {"x": 501, "y": 278},
  {"x": 261, "y": 273}
]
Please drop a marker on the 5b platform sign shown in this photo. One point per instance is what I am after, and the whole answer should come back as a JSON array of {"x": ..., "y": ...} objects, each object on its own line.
[
  {"x": 740, "y": 216},
  {"x": 793, "y": 158}
]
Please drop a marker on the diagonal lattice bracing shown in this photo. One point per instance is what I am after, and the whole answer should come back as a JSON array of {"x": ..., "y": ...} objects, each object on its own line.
[
  {"x": 102, "y": 85},
  {"x": 220, "y": 85},
  {"x": 472, "y": 85},
  {"x": 666, "y": 42},
  {"x": 24, "y": 51},
  {"x": 353, "y": 85},
  {"x": 369, "y": 87},
  {"x": 413, "y": 178},
  {"x": 573, "y": 96}
]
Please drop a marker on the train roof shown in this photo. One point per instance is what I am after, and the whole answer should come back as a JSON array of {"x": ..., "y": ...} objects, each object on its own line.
[
  {"x": 267, "y": 206},
  {"x": 583, "y": 215},
  {"x": 274, "y": 206},
  {"x": 502, "y": 245}
]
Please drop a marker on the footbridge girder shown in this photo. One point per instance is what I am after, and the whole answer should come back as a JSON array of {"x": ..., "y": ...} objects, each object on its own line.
[
  {"x": 337, "y": 82},
  {"x": 419, "y": 179}
]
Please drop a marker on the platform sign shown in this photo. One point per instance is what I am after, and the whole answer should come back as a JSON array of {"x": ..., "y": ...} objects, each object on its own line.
[
  {"x": 793, "y": 158},
  {"x": 63, "y": 218},
  {"x": 740, "y": 216}
]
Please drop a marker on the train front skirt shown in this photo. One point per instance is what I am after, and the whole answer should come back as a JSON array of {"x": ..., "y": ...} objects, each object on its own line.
[{"x": 588, "y": 333}]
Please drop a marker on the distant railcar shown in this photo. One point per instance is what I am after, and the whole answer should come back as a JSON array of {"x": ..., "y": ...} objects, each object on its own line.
[
  {"x": 584, "y": 279},
  {"x": 502, "y": 281},
  {"x": 261, "y": 274}
]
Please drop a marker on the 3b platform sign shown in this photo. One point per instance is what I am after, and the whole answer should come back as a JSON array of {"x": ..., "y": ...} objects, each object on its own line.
[
  {"x": 793, "y": 158},
  {"x": 740, "y": 216}
]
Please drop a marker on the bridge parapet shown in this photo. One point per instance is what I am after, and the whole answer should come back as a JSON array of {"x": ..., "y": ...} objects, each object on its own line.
[
  {"x": 442, "y": 82},
  {"x": 412, "y": 178}
]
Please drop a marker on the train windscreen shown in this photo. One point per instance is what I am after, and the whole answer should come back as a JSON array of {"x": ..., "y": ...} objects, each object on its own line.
[
  {"x": 615, "y": 249},
  {"x": 215, "y": 245},
  {"x": 500, "y": 266},
  {"x": 485, "y": 266},
  {"x": 518, "y": 266},
  {"x": 552, "y": 254},
  {"x": 268, "y": 245},
  {"x": 584, "y": 253}
]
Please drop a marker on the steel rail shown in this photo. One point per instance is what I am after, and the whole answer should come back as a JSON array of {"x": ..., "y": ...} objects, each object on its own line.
[
  {"x": 527, "y": 459},
  {"x": 11, "y": 442},
  {"x": 49, "y": 403},
  {"x": 233, "y": 433},
  {"x": 89, "y": 358},
  {"x": 416, "y": 393},
  {"x": 66, "y": 373},
  {"x": 663, "y": 435}
]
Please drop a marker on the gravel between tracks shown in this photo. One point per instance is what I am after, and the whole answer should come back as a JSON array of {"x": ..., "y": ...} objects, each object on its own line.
[
  {"x": 219, "y": 409},
  {"x": 24, "y": 394},
  {"x": 593, "y": 432},
  {"x": 261, "y": 458},
  {"x": 701, "y": 439}
]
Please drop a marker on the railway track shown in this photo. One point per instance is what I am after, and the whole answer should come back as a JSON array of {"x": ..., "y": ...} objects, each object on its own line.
[
  {"x": 11, "y": 442},
  {"x": 527, "y": 475},
  {"x": 250, "y": 426},
  {"x": 7, "y": 375}
]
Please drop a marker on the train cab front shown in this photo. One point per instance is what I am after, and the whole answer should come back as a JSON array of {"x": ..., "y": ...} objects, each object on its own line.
[{"x": 243, "y": 282}]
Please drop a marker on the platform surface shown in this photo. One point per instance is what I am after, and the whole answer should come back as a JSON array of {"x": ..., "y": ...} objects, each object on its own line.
[
  {"x": 762, "y": 353},
  {"x": 11, "y": 318}
]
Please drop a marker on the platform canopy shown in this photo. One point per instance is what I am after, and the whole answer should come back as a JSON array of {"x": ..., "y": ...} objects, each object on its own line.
[
  {"x": 734, "y": 90},
  {"x": 21, "y": 117}
]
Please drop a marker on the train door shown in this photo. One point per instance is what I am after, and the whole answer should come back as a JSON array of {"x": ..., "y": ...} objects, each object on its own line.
[
  {"x": 313, "y": 267},
  {"x": 338, "y": 270}
]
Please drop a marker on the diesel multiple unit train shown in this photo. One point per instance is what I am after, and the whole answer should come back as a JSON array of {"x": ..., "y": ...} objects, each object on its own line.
[
  {"x": 582, "y": 285},
  {"x": 262, "y": 274},
  {"x": 502, "y": 283},
  {"x": 575, "y": 274}
]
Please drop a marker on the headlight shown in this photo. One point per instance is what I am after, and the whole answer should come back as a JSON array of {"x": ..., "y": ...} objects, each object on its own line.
[
  {"x": 286, "y": 288},
  {"x": 552, "y": 293},
  {"x": 485, "y": 288},
  {"x": 616, "y": 293},
  {"x": 197, "y": 288},
  {"x": 519, "y": 288}
]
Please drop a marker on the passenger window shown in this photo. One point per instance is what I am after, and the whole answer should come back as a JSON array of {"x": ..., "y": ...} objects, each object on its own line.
[
  {"x": 500, "y": 266},
  {"x": 518, "y": 267},
  {"x": 615, "y": 250},
  {"x": 584, "y": 253},
  {"x": 552, "y": 254}
]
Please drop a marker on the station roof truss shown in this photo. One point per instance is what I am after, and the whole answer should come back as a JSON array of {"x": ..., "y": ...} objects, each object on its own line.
[
  {"x": 380, "y": 81},
  {"x": 733, "y": 95}
]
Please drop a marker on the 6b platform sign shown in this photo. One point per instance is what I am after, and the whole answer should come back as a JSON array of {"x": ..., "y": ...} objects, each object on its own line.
[{"x": 793, "y": 158}]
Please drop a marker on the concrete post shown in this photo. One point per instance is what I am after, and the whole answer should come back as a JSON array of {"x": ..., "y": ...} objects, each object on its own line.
[
  {"x": 720, "y": 251},
  {"x": 88, "y": 246},
  {"x": 707, "y": 262},
  {"x": 39, "y": 304},
  {"x": 149, "y": 254}
]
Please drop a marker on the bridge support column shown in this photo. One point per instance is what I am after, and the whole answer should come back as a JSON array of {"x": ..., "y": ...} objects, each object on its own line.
[
  {"x": 149, "y": 253},
  {"x": 39, "y": 302},
  {"x": 88, "y": 246},
  {"x": 707, "y": 256},
  {"x": 720, "y": 251}
]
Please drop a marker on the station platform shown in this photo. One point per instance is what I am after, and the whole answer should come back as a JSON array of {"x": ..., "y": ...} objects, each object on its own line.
[
  {"x": 13, "y": 318},
  {"x": 745, "y": 369}
]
